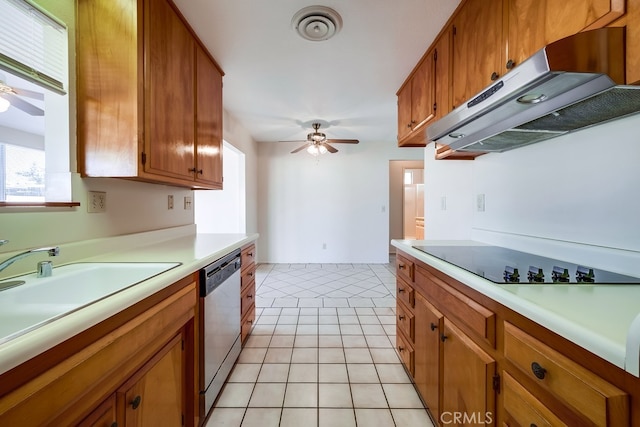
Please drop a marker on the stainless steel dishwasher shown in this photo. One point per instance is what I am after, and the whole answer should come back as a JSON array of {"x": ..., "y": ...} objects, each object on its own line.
[{"x": 220, "y": 324}]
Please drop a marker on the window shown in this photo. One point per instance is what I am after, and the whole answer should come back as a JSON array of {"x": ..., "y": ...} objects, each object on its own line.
[{"x": 34, "y": 106}]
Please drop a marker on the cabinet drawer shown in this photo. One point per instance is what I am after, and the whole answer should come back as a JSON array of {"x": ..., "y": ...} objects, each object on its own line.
[
  {"x": 471, "y": 316},
  {"x": 405, "y": 293},
  {"x": 247, "y": 276},
  {"x": 406, "y": 353},
  {"x": 247, "y": 323},
  {"x": 588, "y": 394},
  {"x": 404, "y": 268},
  {"x": 247, "y": 298},
  {"x": 524, "y": 408},
  {"x": 248, "y": 255},
  {"x": 405, "y": 321}
]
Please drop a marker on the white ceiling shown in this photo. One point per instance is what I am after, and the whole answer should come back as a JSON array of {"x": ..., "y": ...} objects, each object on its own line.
[{"x": 277, "y": 83}]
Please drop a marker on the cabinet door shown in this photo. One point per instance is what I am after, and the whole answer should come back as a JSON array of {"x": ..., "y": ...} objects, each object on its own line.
[
  {"x": 404, "y": 111},
  {"x": 477, "y": 47},
  {"x": 208, "y": 120},
  {"x": 428, "y": 353},
  {"x": 154, "y": 396},
  {"x": 532, "y": 24},
  {"x": 467, "y": 378},
  {"x": 442, "y": 74},
  {"x": 423, "y": 92},
  {"x": 169, "y": 88}
]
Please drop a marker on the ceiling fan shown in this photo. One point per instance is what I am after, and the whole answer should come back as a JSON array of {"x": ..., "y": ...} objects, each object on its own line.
[
  {"x": 10, "y": 96},
  {"x": 317, "y": 142}
]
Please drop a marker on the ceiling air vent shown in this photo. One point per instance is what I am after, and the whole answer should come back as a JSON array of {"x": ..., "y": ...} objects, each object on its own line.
[{"x": 316, "y": 23}]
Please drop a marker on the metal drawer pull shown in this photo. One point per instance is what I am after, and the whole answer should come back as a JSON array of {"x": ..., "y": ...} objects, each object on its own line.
[
  {"x": 250, "y": 296},
  {"x": 400, "y": 290},
  {"x": 443, "y": 337},
  {"x": 401, "y": 266},
  {"x": 136, "y": 402},
  {"x": 400, "y": 349},
  {"x": 433, "y": 326},
  {"x": 401, "y": 317},
  {"x": 538, "y": 370}
]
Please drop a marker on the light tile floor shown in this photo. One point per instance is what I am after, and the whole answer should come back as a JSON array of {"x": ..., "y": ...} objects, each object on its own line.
[{"x": 321, "y": 353}]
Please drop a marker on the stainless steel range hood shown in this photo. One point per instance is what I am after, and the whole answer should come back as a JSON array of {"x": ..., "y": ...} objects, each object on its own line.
[{"x": 570, "y": 84}]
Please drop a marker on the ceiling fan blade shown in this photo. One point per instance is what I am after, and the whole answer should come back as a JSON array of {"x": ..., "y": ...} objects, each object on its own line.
[
  {"x": 23, "y": 105},
  {"x": 343, "y": 141},
  {"x": 299, "y": 148},
  {"x": 29, "y": 93},
  {"x": 330, "y": 148}
]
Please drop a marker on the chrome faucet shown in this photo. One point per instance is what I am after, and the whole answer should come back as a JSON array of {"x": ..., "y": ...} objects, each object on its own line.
[{"x": 52, "y": 251}]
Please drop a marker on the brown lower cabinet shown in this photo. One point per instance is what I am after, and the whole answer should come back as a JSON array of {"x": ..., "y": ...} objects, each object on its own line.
[
  {"x": 476, "y": 362},
  {"x": 134, "y": 369},
  {"x": 247, "y": 291}
]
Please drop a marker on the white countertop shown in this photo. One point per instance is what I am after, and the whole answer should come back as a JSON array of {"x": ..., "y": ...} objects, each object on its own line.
[
  {"x": 179, "y": 244},
  {"x": 603, "y": 319}
]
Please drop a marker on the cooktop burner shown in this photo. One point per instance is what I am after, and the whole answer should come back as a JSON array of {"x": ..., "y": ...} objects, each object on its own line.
[{"x": 502, "y": 265}]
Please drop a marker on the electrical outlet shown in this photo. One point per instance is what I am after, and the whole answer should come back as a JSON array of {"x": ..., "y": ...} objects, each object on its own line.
[
  {"x": 170, "y": 202},
  {"x": 187, "y": 203},
  {"x": 96, "y": 201},
  {"x": 480, "y": 202}
]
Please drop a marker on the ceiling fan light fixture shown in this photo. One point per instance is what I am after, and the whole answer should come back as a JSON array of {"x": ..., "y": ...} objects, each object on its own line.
[
  {"x": 316, "y": 23},
  {"x": 4, "y": 104},
  {"x": 316, "y": 149}
]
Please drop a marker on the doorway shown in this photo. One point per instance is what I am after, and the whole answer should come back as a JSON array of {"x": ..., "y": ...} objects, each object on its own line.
[
  {"x": 406, "y": 200},
  {"x": 224, "y": 211}
]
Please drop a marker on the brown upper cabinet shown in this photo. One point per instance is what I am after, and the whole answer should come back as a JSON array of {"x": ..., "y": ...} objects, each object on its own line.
[
  {"x": 416, "y": 103},
  {"x": 490, "y": 37},
  {"x": 424, "y": 96},
  {"x": 477, "y": 37},
  {"x": 532, "y": 24},
  {"x": 149, "y": 96}
]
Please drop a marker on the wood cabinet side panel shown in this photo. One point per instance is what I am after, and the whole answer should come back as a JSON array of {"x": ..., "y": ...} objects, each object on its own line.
[{"x": 109, "y": 111}]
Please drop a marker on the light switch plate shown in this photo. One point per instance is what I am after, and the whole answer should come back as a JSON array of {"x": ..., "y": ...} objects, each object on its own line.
[{"x": 480, "y": 202}]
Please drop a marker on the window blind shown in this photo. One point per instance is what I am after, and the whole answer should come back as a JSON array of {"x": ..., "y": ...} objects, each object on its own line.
[{"x": 33, "y": 44}]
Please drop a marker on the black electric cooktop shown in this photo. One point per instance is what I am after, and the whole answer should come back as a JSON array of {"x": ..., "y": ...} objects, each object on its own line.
[{"x": 502, "y": 265}]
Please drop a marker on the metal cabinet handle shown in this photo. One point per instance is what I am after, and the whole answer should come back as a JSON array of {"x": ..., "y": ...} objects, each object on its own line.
[
  {"x": 538, "y": 370},
  {"x": 401, "y": 317},
  {"x": 136, "y": 402},
  {"x": 400, "y": 290},
  {"x": 401, "y": 266},
  {"x": 494, "y": 76},
  {"x": 400, "y": 348},
  {"x": 249, "y": 296},
  {"x": 433, "y": 326},
  {"x": 510, "y": 64},
  {"x": 443, "y": 337},
  {"x": 250, "y": 274}
]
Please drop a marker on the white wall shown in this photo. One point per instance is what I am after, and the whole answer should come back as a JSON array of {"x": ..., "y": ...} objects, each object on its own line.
[
  {"x": 340, "y": 200},
  {"x": 572, "y": 196},
  {"x": 223, "y": 211}
]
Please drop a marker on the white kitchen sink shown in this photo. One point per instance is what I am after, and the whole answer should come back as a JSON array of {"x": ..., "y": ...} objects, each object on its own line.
[{"x": 73, "y": 286}]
